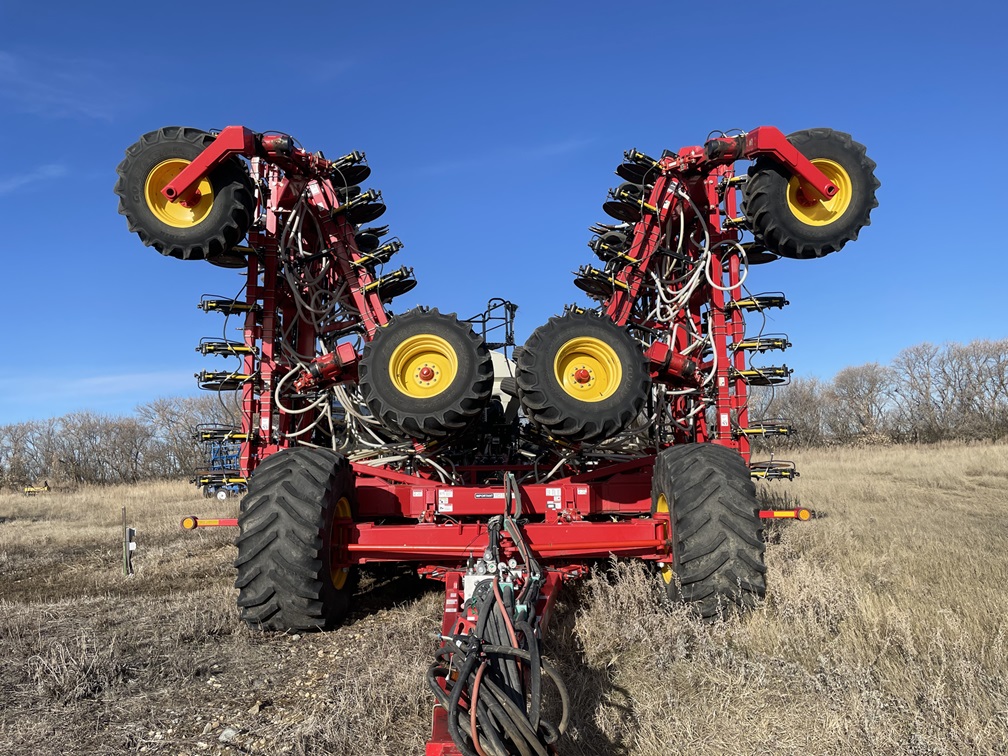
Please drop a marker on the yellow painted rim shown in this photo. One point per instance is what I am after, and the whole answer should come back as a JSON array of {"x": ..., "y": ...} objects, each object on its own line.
[
  {"x": 819, "y": 212},
  {"x": 662, "y": 506},
  {"x": 338, "y": 573},
  {"x": 423, "y": 366},
  {"x": 588, "y": 369},
  {"x": 180, "y": 214}
]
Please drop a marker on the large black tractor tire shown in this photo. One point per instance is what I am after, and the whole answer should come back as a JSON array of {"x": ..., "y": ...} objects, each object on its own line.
[
  {"x": 717, "y": 536},
  {"x": 796, "y": 224},
  {"x": 581, "y": 378},
  {"x": 426, "y": 375},
  {"x": 206, "y": 229},
  {"x": 287, "y": 579}
]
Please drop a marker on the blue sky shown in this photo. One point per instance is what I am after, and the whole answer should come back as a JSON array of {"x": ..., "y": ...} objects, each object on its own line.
[{"x": 493, "y": 131}]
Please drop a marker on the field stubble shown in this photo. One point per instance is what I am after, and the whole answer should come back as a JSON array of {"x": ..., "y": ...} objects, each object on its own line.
[{"x": 884, "y": 631}]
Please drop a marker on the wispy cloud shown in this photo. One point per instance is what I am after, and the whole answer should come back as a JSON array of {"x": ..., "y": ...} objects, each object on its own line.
[
  {"x": 57, "y": 87},
  {"x": 43, "y": 173},
  {"x": 488, "y": 160}
]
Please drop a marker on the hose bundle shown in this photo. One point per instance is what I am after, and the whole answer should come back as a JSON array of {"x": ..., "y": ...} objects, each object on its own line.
[{"x": 481, "y": 679}]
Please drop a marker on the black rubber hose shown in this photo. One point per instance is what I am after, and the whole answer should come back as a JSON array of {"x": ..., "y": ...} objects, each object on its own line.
[
  {"x": 505, "y": 666},
  {"x": 535, "y": 672},
  {"x": 510, "y": 721},
  {"x": 508, "y": 609},
  {"x": 516, "y": 717},
  {"x": 550, "y": 671},
  {"x": 435, "y": 671},
  {"x": 471, "y": 660},
  {"x": 508, "y": 724},
  {"x": 490, "y": 728}
]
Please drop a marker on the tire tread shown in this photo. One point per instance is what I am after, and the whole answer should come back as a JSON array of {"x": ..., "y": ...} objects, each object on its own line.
[
  {"x": 764, "y": 201},
  {"x": 717, "y": 534},
  {"x": 283, "y": 578}
]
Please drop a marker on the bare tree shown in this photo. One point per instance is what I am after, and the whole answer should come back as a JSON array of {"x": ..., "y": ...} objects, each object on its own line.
[
  {"x": 86, "y": 447},
  {"x": 916, "y": 395},
  {"x": 801, "y": 403},
  {"x": 856, "y": 402}
]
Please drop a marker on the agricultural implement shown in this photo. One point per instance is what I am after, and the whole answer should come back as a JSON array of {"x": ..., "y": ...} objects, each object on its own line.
[
  {"x": 221, "y": 445},
  {"x": 370, "y": 437}
]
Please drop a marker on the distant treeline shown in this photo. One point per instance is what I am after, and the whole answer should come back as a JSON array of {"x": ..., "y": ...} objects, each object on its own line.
[
  {"x": 929, "y": 393},
  {"x": 87, "y": 447}
]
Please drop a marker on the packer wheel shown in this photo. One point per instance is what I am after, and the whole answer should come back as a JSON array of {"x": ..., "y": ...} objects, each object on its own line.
[
  {"x": 794, "y": 223},
  {"x": 426, "y": 375},
  {"x": 203, "y": 226},
  {"x": 581, "y": 378}
]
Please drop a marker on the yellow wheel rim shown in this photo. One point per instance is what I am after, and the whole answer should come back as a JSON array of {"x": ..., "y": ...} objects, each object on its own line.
[
  {"x": 423, "y": 366},
  {"x": 588, "y": 369},
  {"x": 184, "y": 213},
  {"x": 662, "y": 507},
  {"x": 338, "y": 539},
  {"x": 806, "y": 205}
]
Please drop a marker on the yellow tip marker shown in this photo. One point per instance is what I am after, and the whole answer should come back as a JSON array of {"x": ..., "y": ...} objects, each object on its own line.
[
  {"x": 192, "y": 522},
  {"x": 786, "y": 514}
]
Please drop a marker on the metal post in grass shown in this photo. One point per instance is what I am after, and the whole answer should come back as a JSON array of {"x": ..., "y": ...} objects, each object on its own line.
[{"x": 129, "y": 545}]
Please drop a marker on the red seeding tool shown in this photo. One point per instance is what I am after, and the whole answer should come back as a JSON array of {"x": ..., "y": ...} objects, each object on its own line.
[{"x": 367, "y": 436}]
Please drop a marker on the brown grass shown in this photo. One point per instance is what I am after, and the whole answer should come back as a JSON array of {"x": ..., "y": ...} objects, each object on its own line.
[{"x": 884, "y": 632}]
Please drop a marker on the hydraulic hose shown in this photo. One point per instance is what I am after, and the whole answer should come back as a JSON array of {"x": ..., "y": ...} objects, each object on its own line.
[{"x": 482, "y": 678}]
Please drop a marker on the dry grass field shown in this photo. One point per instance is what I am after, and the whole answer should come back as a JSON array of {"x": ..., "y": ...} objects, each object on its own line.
[{"x": 885, "y": 631}]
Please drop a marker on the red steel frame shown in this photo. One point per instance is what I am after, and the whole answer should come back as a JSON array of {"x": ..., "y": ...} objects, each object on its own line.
[
  {"x": 696, "y": 179},
  {"x": 696, "y": 185},
  {"x": 288, "y": 173},
  {"x": 400, "y": 517}
]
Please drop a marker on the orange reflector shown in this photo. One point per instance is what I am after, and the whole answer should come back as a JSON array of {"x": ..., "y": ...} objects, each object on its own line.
[
  {"x": 192, "y": 522},
  {"x": 786, "y": 514}
]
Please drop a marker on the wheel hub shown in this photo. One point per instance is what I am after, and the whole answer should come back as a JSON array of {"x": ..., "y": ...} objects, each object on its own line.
[
  {"x": 587, "y": 368},
  {"x": 810, "y": 209},
  {"x": 423, "y": 366},
  {"x": 188, "y": 211}
]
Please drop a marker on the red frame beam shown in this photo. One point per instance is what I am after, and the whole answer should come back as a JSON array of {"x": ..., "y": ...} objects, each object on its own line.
[
  {"x": 454, "y": 543},
  {"x": 234, "y": 140}
]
